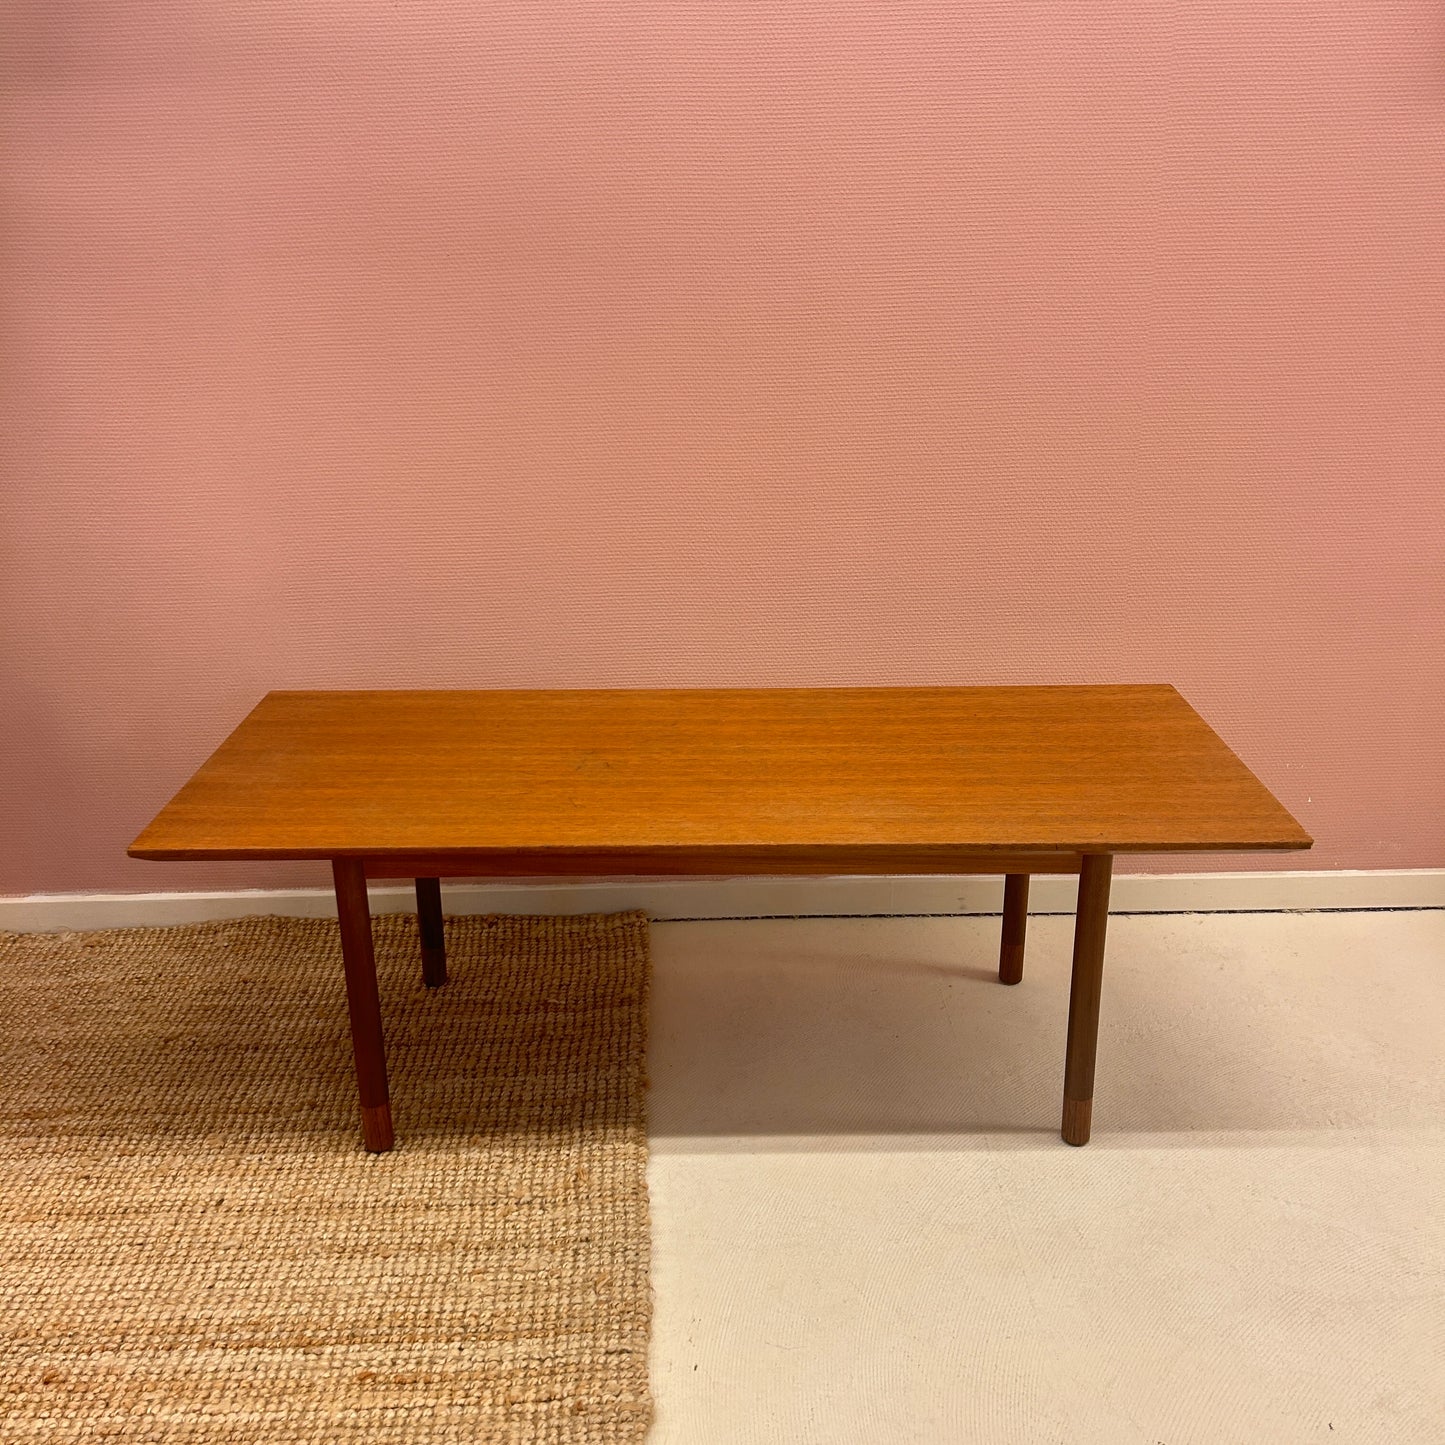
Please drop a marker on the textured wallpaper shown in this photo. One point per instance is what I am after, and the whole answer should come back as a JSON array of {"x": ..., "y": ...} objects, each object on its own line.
[{"x": 363, "y": 344}]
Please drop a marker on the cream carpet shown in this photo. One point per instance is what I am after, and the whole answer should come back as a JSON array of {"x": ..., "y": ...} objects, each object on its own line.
[
  {"x": 867, "y": 1232},
  {"x": 196, "y": 1248}
]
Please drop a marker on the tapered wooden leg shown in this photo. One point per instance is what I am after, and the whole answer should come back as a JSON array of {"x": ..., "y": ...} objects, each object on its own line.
[
  {"x": 1090, "y": 926},
  {"x": 1015, "y": 924},
  {"x": 433, "y": 932},
  {"x": 359, "y": 961}
]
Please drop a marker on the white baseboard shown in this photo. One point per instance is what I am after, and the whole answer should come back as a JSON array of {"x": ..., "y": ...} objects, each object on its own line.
[{"x": 672, "y": 898}]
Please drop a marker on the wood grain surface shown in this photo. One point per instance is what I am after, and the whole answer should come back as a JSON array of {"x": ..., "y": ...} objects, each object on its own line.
[{"x": 837, "y": 778}]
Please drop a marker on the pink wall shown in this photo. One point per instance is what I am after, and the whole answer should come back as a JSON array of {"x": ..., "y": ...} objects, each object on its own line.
[{"x": 364, "y": 344}]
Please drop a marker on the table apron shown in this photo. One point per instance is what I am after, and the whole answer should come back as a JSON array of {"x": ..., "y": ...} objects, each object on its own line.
[{"x": 717, "y": 863}]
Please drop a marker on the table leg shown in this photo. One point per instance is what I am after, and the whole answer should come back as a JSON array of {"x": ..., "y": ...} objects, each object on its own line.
[
  {"x": 433, "y": 932},
  {"x": 1015, "y": 924},
  {"x": 1090, "y": 925},
  {"x": 359, "y": 960}
]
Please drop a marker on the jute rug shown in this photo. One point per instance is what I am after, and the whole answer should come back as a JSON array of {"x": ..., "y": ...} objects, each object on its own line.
[{"x": 194, "y": 1246}]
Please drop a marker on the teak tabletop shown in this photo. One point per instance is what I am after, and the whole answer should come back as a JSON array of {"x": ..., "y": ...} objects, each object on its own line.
[{"x": 1011, "y": 780}]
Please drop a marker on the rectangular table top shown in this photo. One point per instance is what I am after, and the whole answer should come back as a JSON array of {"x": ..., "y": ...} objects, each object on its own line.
[{"x": 846, "y": 776}]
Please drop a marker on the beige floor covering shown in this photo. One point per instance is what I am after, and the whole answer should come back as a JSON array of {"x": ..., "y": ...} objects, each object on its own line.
[
  {"x": 195, "y": 1248},
  {"x": 867, "y": 1230}
]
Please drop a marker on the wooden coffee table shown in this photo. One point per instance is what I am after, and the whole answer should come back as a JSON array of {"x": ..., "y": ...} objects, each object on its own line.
[{"x": 1005, "y": 780}]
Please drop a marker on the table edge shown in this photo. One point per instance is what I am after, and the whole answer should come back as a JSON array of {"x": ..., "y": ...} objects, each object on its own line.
[{"x": 833, "y": 853}]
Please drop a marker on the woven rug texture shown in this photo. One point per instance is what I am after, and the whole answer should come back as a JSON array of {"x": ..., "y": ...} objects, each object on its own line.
[{"x": 196, "y": 1247}]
